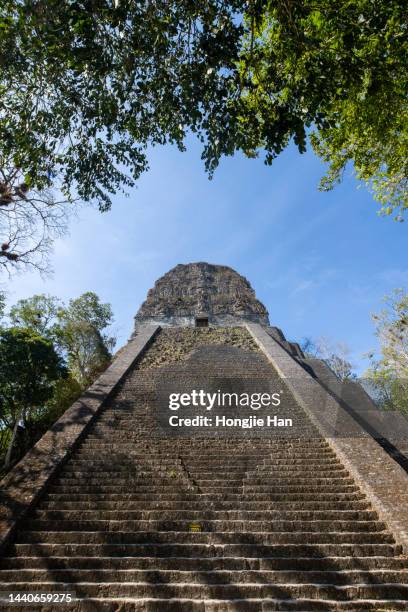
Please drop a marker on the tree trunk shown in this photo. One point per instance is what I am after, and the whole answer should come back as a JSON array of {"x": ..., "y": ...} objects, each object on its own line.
[{"x": 9, "y": 453}]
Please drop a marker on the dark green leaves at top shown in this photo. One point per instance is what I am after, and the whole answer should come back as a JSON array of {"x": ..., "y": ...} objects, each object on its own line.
[
  {"x": 88, "y": 86},
  {"x": 29, "y": 365}
]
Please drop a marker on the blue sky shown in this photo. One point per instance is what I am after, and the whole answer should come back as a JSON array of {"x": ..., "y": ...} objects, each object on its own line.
[{"x": 320, "y": 262}]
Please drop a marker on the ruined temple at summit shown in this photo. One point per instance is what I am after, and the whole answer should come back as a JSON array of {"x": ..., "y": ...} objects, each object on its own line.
[
  {"x": 120, "y": 513},
  {"x": 201, "y": 294}
]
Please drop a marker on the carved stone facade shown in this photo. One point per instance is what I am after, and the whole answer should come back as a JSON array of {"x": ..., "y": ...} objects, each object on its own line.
[{"x": 210, "y": 293}]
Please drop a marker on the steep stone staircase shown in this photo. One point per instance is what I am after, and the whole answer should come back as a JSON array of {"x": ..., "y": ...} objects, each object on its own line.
[{"x": 139, "y": 522}]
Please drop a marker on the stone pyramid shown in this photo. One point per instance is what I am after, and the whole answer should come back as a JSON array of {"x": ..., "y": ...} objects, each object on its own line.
[{"x": 118, "y": 513}]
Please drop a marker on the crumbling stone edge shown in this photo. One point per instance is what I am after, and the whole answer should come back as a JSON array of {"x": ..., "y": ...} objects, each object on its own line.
[
  {"x": 27, "y": 481},
  {"x": 380, "y": 478}
]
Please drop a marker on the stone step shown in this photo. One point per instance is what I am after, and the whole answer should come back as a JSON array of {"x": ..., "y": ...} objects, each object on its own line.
[
  {"x": 240, "y": 444},
  {"x": 151, "y": 431},
  {"x": 123, "y": 501},
  {"x": 216, "y": 591},
  {"x": 203, "y": 451},
  {"x": 226, "y": 454},
  {"x": 203, "y": 461},
  {"x": 322, "y": 563},
  {"x": 227, "y": 457},
  {"x": 119, "y": 463},
  {"x": 310, "y": 479},
  {"x": 255, "y": 454},
  {"x": 80, "y": 513},
  {"x": 83, "y": 523},
  {"x": 237, "y": 444},
  {"x": 221, "y": 537},
  {"x": 288, "y": 487},
  {"x": 175, "y": 604},
  {"x": 291, "y": 461},
  {"x": 203, "y": 550},
  {"x": 184, "y": 480},
  {"x": 136, "y": 431},
  {"x": 173, "y": 576},
  {"x": 207, "y": 478},
  {"x": 136, "y": 480},
  {"x": 228, "y": 443},
  {"x": 260, "y": 466},
  {"x": 227, "y": 496},
  {"x": 294, "y": 464},
  {"x": 144, "y": 486},
  {"x": 222, "y": 475}
]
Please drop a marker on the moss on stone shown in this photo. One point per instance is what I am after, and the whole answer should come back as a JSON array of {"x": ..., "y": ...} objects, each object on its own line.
[{"x": 173, "y": 345}]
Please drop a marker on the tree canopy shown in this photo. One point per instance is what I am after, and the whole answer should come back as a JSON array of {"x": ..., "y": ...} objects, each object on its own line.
[
  {"x": 29, "y": 367},
  {"x": 392, "y": 331},
  {"x": 389, "y": 372},
  {"x": 88, "y": 85},
  {"x": 38, "y": 313},
  {"x": 338, "y": 72},
  {"x": 49, "y": 353},
  {"x": 77, "y": 330},
  {"x": 81, "y": 334}
]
